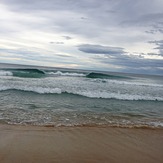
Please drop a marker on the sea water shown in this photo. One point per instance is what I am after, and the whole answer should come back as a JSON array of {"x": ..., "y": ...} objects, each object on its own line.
[{"x": 66, "y": 97}]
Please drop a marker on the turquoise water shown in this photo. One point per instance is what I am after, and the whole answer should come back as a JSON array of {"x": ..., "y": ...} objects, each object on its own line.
[{"x": 63, "y": 97}]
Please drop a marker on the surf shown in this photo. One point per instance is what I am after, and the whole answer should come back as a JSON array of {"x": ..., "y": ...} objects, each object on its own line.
[
  {"x": 23, "y": 73},
  {"x": 105, "y": 76}
]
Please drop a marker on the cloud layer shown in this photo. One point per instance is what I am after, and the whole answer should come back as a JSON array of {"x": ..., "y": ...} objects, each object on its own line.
[
  {"x": 98, "y": 49},
  {"x": 111, "y": 35}
]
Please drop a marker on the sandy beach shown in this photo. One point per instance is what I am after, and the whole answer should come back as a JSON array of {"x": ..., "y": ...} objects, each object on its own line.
[{"x": 26, "y": 144}]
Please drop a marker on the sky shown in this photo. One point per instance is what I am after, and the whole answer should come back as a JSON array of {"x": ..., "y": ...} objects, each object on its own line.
[{"x": 107, "y": 35}]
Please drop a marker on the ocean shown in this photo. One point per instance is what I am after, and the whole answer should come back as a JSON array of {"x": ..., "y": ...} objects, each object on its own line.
[{"x": 67, "y": 97}]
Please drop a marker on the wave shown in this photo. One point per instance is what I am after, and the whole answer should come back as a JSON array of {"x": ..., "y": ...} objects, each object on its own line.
[
  {"x": 59, "y": 73},
  {"x": 89, "y": 94},
  {"x": 25, "y": 73},
  {"x": 130, "y": 125},
  {"x": 104, "y": 76},
  {"x": 69, "y": 121},
  {"x": 5, "y": 73},
  {"x": 37, "y": 73},
  {"x": 58, "y": 125},
  {"x": 89, "y": 75},
  {"x": 120, "y": 82},
  {"x": 92, "y": 88}
]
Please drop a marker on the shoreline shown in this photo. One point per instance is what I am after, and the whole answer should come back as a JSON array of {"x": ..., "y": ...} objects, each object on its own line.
[{"x": 79, "y": 144}]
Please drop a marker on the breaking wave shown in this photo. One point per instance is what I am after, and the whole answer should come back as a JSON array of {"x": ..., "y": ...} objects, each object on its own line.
[
  {"x": 59, "y": 73},
  {"x": 37, "y": 73},
  {"x": 79, "y": 84},
  {"x": 5, "y": 73},
  {"x": 89, "y": 94},
  {"x": 104, "y": 76},
  {"x": 25, "y": 73}
]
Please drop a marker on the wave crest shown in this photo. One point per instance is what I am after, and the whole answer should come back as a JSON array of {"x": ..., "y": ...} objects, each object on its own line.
[
  {"x": 104, "y": 76},
  {"x": 89, "y": 94},
  {"x": 5, "y": 73},
  {"x": 59, "y": 73},
  {"x": 24, "y": 73}
]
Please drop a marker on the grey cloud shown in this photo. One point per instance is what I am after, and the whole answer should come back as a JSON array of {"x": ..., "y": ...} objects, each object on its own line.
[
  {"x": 55, "y": 4},
  {"x": 67, "y": 37},
  {"x": 106, "y": 12},
  {"x": 160, "y": 30},
  {"x": 154, "y": 31},
  {"x": 98, "y": 49},
  {"x": 127, "y": 62},
  {"x": 33, "y": 56},
  {"x": 56, "y": 42},
  {"x": 98, "y": 16},
  {"x": 141, "y": 13},
  {"x": 151, "y": 19},
  {"x": 135, "y": 64},
  {"x": 159, "y": 44},
  {"x": 70, "y": 14},
  {"x": 22, "y": 53},
  {"x": 118, "y": 57},
  {"x": 159, "y": 47},
  {"x": 83, "y": 18}
]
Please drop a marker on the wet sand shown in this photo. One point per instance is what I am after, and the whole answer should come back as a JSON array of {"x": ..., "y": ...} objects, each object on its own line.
[{"x": 25, "y": 144}]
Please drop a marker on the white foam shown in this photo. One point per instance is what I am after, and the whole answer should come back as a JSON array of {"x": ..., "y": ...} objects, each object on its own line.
[
  {"x": 5, "y": 73},
  {"x": 84, "y": 87},
  {"x": 59, "y": 73},
  {"x": 127, "y": 82},
  {"x": 156, "y": 124},
  {"x": 109, "y": 95},
  {"x": 39, "y": 90}
]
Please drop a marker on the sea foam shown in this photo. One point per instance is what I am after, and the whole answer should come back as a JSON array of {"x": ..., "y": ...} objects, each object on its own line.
[
  {"x": 5, "y": 73},
  {"x": 59, "y": 73},
  {"x": 84, "y": 87}
]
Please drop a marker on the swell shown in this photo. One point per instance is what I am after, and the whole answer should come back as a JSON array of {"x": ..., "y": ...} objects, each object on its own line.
[
  {"x": 105, "y": 76},
  {"x": 24, "y": 73},
  {"x": 37, "y": 73},
  {"x": 89, "y": 75},
  {"x": 56, "y": 91},
  {"x": 62, "y": 73}
]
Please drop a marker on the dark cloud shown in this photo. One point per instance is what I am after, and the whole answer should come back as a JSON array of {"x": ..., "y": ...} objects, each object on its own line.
[
  {"x": 83, "y": 18},
  {"x": 67, "y": 37},
  {"x": 98, "y": 49},
  {"x": 159, "y": 46},
  {"x": 127, "y": 62},
  {"x": 157, "y": 42},
  {"x": 56, "y": 42},
  {"x": 135, "y": 64},
  {"x": 154, "y": 31},
  {"x": 151, "y": 20}
]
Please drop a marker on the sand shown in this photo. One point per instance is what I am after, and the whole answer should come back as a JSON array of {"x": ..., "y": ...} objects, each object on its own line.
[{"x": 28, "y": 144}]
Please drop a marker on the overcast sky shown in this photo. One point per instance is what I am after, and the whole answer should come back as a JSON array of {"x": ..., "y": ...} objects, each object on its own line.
[{"x": 110, "y": 35}]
